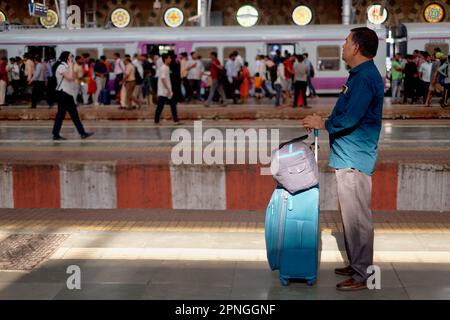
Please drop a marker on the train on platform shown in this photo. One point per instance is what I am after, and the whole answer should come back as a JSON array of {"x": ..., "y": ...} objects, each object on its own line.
[{"x": 323, "y": 43}]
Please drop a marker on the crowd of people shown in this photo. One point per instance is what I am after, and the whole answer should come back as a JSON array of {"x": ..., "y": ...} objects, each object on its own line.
[
  {"x": 30, "y": 79},
  {"x": 419, "y": 77}
]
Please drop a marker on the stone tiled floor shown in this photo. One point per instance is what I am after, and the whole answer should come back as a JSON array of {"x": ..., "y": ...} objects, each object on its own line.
[{"x": 222, "y": 262}]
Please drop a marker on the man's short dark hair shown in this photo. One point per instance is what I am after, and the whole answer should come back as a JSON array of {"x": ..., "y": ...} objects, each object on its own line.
[
  {"x": 367, "y": 40},
  {"x": 214, "y": 54},
  {"x": 164, "y": 56}
]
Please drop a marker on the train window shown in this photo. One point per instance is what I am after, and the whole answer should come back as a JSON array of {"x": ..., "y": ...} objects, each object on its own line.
[
  {"x": 45, "y": 52},
  {"x": 429, "y": 47},
  {"x": 92, "y": 52},
  {"x": 228, "y": 50},
  {"x": 109, "y": 53},
  {"x": 205, "y": 53},
  {"x": 283, "y": 47},
  {"x": 159, "y": 49},
  {"x": 328, "y": 58},
  {"x": 3, "y": 53}
]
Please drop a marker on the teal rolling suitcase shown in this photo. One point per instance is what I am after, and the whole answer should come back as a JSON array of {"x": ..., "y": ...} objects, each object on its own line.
[{"x": 292, "y": 233}]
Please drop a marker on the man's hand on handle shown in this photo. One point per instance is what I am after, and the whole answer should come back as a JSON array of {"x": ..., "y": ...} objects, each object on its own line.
[{"x": 313, "y": 122}]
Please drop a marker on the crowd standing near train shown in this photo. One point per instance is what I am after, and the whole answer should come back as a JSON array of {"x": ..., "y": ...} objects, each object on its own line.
[
  {"x": 286, "y": 77},
  {"x": 135, "y": 80},
  {"x": 418, "y": 77}
]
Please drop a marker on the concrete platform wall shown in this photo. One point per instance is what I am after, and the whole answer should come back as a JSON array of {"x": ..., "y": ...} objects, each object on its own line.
[{"x": 102, "y": 185}]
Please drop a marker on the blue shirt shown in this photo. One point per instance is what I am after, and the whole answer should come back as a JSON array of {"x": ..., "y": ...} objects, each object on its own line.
[{"x": 354, "y": 125}]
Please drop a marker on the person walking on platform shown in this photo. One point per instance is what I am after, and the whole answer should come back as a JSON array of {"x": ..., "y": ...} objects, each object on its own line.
[
  {"x": 310, "y": 75},
  {"x": 354, "y": 128},
  {"x": 280, "y": 83},
  {"x": 130, "y": 83},
  {"x": 38, "y": 82},
  {"x": 218, "y": 74},
  {"x": 195, "y": 70},
  {"x": 300, "y": 77},
  {"x": 100, "y": 72},
  {"x": 396, "y": 78},
  {"x": 165, "y": 93},
  {"x": 232, "y": 72},
  {"x": 175, "y": 76},
  {"x": 65, "y": 78},
  {"x": 244, "y": 79},
  {"x": 119, "y": 69},
  {"x": 425, "y": 70},
  {"x": 28, "y": 73},
  {"x": 411, "y": 75}
]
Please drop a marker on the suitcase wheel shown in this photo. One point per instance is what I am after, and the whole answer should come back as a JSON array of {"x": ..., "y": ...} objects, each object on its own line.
[
  {"x": 311, "y": 282},
  {"x": 284, "y": 281}
]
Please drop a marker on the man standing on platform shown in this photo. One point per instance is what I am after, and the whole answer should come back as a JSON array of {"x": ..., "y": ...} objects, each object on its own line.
[{"x": 354, "y": 128}]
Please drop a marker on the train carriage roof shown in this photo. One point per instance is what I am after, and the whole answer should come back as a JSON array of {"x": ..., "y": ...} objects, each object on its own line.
[
  {"x": 427, "y": 30},
  {"x": 210, "y": 34}
]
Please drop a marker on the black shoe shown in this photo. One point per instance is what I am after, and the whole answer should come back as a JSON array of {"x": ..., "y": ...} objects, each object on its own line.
[
  {"x": 347, "y": 271},
  {"x": 86, "y": 135},
  {"x": 58, "y": 138}
]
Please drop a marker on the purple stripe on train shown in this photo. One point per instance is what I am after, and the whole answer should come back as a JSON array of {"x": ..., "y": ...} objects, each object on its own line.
[{"x": 334, "y": 83}]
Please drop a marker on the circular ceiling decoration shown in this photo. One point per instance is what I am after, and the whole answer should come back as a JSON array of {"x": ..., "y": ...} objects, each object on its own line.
[
  {"x": 247, "y": 16},
  {"x": 375, "y": 16},
  {"x": 302, "y": 15},
  {"x": 173, "y": 17},
  {"x": 51, "y": 20},
  {"x": 120, "y": 18},
  {"x": 434, "y": 13}
]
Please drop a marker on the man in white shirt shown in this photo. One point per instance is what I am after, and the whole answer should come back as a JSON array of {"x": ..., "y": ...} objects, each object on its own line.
[
  {"x": 425, "y": 75},
  {"x": 195, "y": 70},
  {"x": 300, "y": 77},
  {"x": 64, "y": 88},
  {"x": 239, "y": 61},
  {"x": 119, "y": 69},
  {"x": 14, "y": 75},
  {"x": 232, "y": 72},
  {"x": 140, "y": 69},
  {"x": 165, "y": 93}
]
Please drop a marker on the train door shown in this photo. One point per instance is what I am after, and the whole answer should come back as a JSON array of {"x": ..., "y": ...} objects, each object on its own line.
[
  {"x": 283, "y": 47},
  {"x": 46, "y": 52}
]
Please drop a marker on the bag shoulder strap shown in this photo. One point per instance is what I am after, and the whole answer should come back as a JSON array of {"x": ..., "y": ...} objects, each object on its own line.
[
  {"x": 62, "y": 79},
  {"x": 293, "y": 141}
]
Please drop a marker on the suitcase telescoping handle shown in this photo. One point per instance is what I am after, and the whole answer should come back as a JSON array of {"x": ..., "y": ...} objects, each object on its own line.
[{"x": 316, "y": 144}]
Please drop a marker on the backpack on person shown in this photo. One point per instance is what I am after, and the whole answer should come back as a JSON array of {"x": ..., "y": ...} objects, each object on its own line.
[
  {"x": 52, "y": 82},
  {"x": 311, "y": 70},
  {"x": 22, "y": 77},
  {"x": 273, "y": 73},
  {"x": 137, "y": 76}
]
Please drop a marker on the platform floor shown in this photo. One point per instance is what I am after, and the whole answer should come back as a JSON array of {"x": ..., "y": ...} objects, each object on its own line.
[
  {"x": 167, "y": 254},
  {"x": 249, "y": 111},
  {"x": 427, "y": 140}
]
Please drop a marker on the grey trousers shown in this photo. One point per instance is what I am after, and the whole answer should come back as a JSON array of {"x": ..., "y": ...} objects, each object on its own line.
[
  {"x": 216, "y": 85},
  {"x": 355, "y": 193}
]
